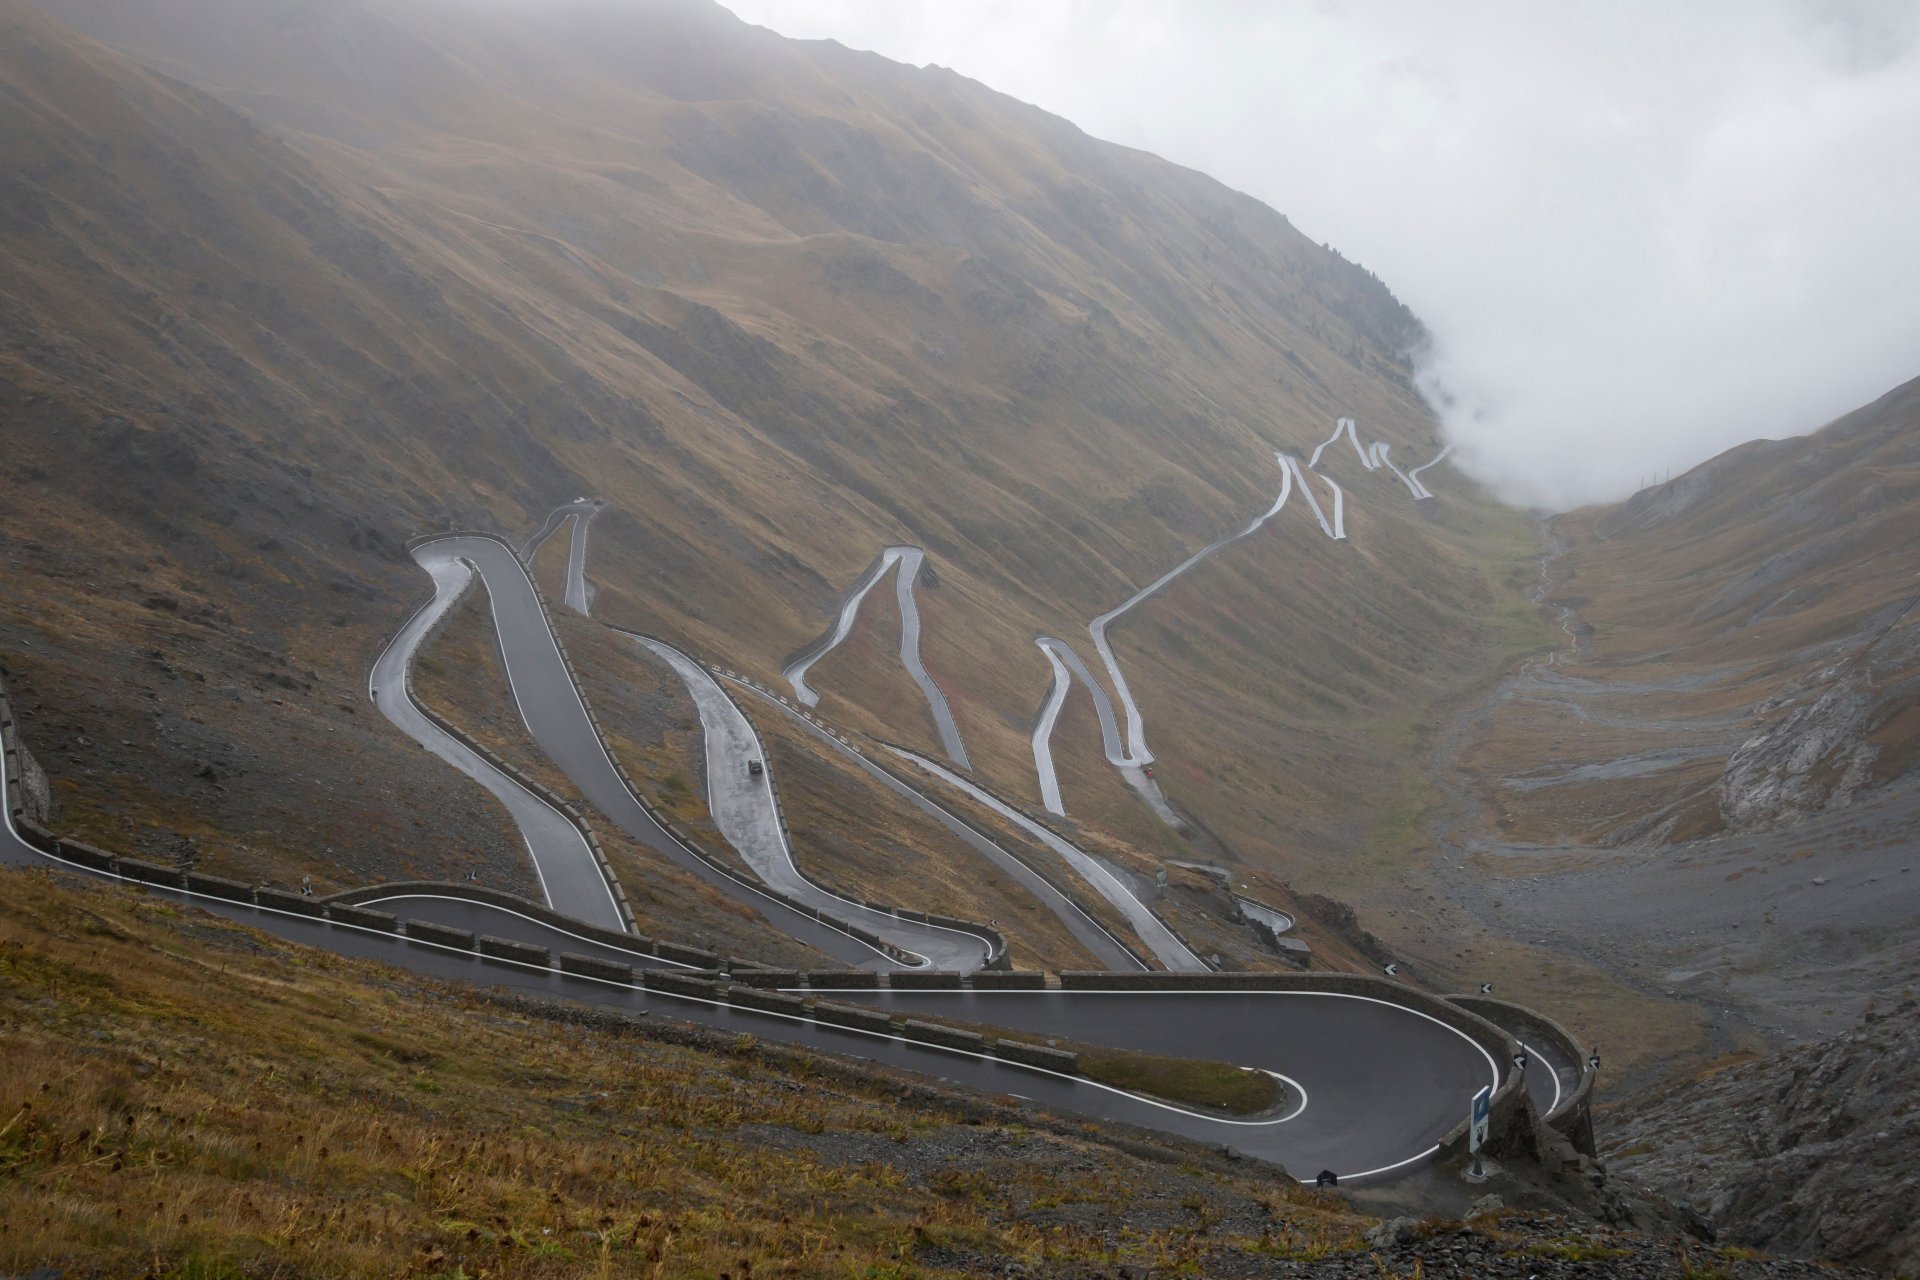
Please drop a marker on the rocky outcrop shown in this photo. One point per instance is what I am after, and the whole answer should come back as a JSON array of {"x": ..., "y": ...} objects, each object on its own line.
[
  {"x": 1810, "y": 760},
  {"x": 1814, "y": 1151},
  {"x": 1822, "y": 754}
]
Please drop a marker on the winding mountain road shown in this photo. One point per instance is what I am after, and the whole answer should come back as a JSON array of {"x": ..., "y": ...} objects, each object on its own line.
[
  {"x": 1371, "y": 1086},
  {"x": 743, "y": 807},
  {"x": 908, "y": 561},
  {"x": 1131, "y": 755},
  {"x": 1372, "y": 1083},
  {"x": 1109, "y": 950},
  {"x": 569, "y": 874},
  {"x": 551, "y": 708},
  {"x": 1414, "y": 475},
  {"x": 1162, "y": 941}
]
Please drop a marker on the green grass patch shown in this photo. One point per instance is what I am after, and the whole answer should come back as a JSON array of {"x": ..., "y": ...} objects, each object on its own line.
[{"x": 1218, "y": 1086}]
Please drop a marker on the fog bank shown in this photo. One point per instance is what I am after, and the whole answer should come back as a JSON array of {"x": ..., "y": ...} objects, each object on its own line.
[{"x": 1641, "y": 233}]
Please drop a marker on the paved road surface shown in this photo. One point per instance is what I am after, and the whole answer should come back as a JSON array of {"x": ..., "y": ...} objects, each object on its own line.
[
  {"x": 1110, "y": 951},
  {"x": 908, "y": 560},
  {"x": 1162, "y": 941},
  {"x": 742, "y": 805},
  {"x": 580, "y": 511},
  {"x": 1414, "y": 475},
  {"x": 558, "y": 721},
  {"x": 1380, "y": 1083},
  {"x": 1132, "y": 755},
  {"x": 569, "y": 874}
]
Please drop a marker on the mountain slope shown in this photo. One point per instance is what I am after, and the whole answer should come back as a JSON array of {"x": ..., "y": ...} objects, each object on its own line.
[
  {"x": 781, "y": 305},
  {"x": 1709, "y": 792},
  {"x": 1749, "y": 650}
]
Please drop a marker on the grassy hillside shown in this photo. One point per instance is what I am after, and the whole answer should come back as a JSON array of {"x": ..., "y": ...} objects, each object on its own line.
[
  {"x": 1748, "y": 646},
  {"x": 185, "y": 1098},
  {"x": 396, "y": 264}
]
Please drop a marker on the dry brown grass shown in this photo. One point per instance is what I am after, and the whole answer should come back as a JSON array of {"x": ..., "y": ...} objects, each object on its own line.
[{"x": 181, "y": 1097}]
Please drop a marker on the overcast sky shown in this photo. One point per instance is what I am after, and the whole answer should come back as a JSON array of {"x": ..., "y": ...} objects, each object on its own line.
[{"x": 1641, "y": 232}]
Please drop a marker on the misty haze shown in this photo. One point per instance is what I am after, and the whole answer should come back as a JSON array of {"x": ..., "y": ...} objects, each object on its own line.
[{"x": 655, "y": 638}]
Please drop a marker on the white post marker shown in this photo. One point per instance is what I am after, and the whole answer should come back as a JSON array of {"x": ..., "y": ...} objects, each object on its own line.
[{"x": 1477, "y": 1129}]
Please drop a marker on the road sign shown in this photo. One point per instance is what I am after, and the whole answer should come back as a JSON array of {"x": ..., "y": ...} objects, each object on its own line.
[{"x": 1482, "y": 1109}]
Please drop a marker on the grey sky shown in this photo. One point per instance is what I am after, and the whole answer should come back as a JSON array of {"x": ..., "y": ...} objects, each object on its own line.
[{"x": 1641, "y": 232}]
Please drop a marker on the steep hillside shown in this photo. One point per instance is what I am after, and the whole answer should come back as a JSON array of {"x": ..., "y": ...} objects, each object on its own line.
[
  {"x": 400, "y": 263},
  {"x": 1748, "y": 648},
  {"x": 1835, "y": 1122},
  {"x": 1708, "y": 792}
]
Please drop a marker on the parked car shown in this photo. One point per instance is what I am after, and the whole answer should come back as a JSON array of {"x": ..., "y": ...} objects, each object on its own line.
[{"x": 755, "y": 768}]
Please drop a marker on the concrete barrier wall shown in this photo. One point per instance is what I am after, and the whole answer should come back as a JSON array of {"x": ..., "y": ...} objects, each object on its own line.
[
  {"x": 1007, "y": 980},
  {"x": 924, "y": 980},
  {"x": 508, "y": 949},
  {"x": 679, "y": 984},
  {"x": 767, "y": 977},
  {"x": 1035, "y": 1055},
  {"x": 766, "y": 1001},
  {"x": 847, "y": 1015},
  {"x": 152, "y": 873},
  {"x": 694, "y": 956},
  {"x": 219, "y": 887},
  {"x": 945, "y": 1037},
  {"x": 444, "y": 935},
  {"x": 588, "y": 966},
  {"x": 844, "y": 979},
  {"x": 363, "y": 917},
  {"x": 281, "y": 900},
  {"x": 1574, "y": 1116},
  {"x": 84, "y": 854}
]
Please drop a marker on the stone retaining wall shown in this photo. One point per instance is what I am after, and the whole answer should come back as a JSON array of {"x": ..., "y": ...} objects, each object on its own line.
[
  {"x": 444, "y": 935},
  {"x": 945, "y": 1037},
  {"x": 857, "y": 1016},
  {"x": 1035, "y": 1055},
  {"x": 508, "y": 949},
  {"x": 362, "y": 916},
  {"x": 592, "y": 967},
  {"x": 766, "y": 1001},
  {"x": 1574, "y": 1116}
]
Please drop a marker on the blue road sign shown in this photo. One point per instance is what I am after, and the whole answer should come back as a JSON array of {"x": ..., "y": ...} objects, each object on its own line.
[{"x": 1482, "y": 1109}]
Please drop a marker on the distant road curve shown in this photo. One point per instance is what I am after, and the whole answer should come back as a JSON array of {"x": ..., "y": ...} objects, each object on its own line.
[
  {"x": 743, "y": 807},
  {"x": 553, "y": 713},
  {"x": 569, "y": 873},
  {"x": 1109, "y": 950},
  {"x": 1377, "y": 455},
  {"x": 1162, "y": 941},
  {"x": 1130, "y": 755},
  {"x": 909, "y": 560},
  {"x": 1414, "y": 475},
  {"x": 581, "y": 512}
]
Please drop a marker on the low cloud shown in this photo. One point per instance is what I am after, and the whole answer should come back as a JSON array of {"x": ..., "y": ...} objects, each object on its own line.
[{"x": 1640, "y": 232}]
